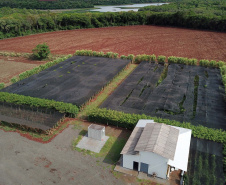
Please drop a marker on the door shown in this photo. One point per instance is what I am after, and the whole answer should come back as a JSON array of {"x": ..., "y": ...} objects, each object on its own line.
[
  {"x": 135, "y": 165},
  {"x": 144, "y": 167}
]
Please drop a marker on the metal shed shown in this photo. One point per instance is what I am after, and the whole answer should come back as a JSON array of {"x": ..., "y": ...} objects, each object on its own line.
[{"x": 96, "y": 132}]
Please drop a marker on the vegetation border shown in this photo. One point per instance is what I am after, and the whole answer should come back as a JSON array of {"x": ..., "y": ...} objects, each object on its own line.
[
  {"x": 128, "y": 121},
  {"x": 68, "y": 108}
]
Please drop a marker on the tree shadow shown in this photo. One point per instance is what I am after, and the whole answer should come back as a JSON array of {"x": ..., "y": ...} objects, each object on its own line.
[{"x": 113, "y": 154}]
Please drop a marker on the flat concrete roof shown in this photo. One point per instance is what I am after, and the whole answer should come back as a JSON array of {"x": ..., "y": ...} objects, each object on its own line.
[{"x": 96, "y": 127}]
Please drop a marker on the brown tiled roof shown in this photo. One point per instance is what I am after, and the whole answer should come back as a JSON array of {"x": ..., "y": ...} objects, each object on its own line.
[
  {"x": 132, "y": 141},
  {"x": 158, "y": 138}
]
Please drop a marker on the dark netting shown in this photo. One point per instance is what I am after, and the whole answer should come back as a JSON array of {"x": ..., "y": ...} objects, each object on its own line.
[
  {"x": 75, "y": 80},
  {"x": 32, "y": 117},
  {"x": 175, "y": 97},
  {"x": 205, "y": 164}
]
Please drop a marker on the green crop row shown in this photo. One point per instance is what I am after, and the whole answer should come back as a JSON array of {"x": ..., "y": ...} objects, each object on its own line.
[
  {"x": 223, "y": 74},
  {"x": 38, "y": 69},
  {"x": 68, "y": 108}
]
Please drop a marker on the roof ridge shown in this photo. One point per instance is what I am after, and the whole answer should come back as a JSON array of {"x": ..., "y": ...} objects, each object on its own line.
[
  {"x": 157, "y": 140},
  {"x": 148, "y": 137}
]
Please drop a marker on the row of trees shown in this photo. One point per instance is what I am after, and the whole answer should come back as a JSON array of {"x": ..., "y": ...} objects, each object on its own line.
[
  {"x": 67, "y": 4},
  {"x": 23, "y": 24}
]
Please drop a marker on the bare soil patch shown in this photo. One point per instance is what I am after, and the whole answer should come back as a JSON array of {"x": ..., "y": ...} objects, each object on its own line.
[
  {"x": 13, "y": 66},
  {"x": 124, "y": 40}
]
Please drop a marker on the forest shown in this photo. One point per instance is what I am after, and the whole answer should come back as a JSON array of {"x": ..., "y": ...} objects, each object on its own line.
[
  {"x": 201, "y": 7},
  {"x": 68, "y": 4},
  {"x": 189, "y": 14}
]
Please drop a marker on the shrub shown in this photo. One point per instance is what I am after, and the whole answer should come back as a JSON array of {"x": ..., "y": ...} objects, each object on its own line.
[
  {"x": 161, "y": 59},
  {"x": 123, "y": 57},
  {"x": 192, "y": 61},
  {"x": 109, "y": 55},
  {"x": 2, "y": 85},
  {"x": 14, "y": 80},
  {"x": 172, "y": 60},
  {"x": 100, "y": 54},
  {"x": 220, "y": 64},
  {"x": 223, "y": 70},
  {"x": 182, "y": 60},
  {"x": 115, "y": 55},
  {"x": 138, "y": 59},
  {"x": 204, "y": 63},
  {"x": 131, "y": 57},
  {"x": 153, "y": 58},
  {"x": 95, "y": 54},
  {"x": 213, "y": 63},
  {"x": 41, "y": 51}
]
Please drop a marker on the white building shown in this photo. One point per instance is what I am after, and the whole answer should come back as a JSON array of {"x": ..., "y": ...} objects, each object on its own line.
[{"x": 156, "y": 148}]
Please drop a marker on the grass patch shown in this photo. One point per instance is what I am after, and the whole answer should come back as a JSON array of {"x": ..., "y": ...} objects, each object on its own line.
[
  {"x": 110, "y": 152},
  {"x": 163, "y": 75}
]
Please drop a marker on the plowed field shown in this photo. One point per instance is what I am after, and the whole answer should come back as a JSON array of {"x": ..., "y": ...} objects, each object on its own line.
[{"x": 129, "y": 39}]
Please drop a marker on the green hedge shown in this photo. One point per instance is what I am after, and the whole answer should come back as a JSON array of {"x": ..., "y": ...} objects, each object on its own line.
[
  {"x": 68, "y": 108},
  {"x": 2, "y": 85},
  {"x": 38, "y": 69},
  {"x": 129, "y": 121},
  {"x": 152, "y": 58}
]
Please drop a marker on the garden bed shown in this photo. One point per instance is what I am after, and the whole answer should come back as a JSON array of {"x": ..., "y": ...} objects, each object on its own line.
[
  {"x": 205, "y": 163},
  {"x": 75, "y": 80},
  {"x": 178, "y": 92}
]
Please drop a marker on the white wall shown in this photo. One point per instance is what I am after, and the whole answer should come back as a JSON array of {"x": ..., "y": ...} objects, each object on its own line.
[
  {"x": 128, "y": 160},
  {"x": 157, "y": 163}
]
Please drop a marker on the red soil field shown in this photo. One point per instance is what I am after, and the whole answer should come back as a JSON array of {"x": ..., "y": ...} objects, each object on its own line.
[
  {"x": 12, "y": 66},
  {"x": 126, "y": 40}
]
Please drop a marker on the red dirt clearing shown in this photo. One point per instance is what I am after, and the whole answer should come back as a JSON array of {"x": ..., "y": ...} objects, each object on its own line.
[
  {"x": 156, "y": 40},
  {"x": 12, "y": 66}
]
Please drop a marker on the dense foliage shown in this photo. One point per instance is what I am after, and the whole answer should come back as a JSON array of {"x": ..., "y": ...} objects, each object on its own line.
[
  {"x": 198, "y": 7},
  {"x": 68, "y": 4},
  {"x": 41, "y": 51},
  {"x": 15, "y": 22},
  {"x": 68, "y": 108}
]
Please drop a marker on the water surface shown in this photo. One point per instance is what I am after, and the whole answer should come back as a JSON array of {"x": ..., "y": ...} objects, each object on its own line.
[{"x": 124, "y": 8}]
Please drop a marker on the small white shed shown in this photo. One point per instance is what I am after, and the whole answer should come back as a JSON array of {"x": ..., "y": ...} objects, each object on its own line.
[
  {"x": 96, "y": 132},
  {"x": 155, "y": 148}
]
